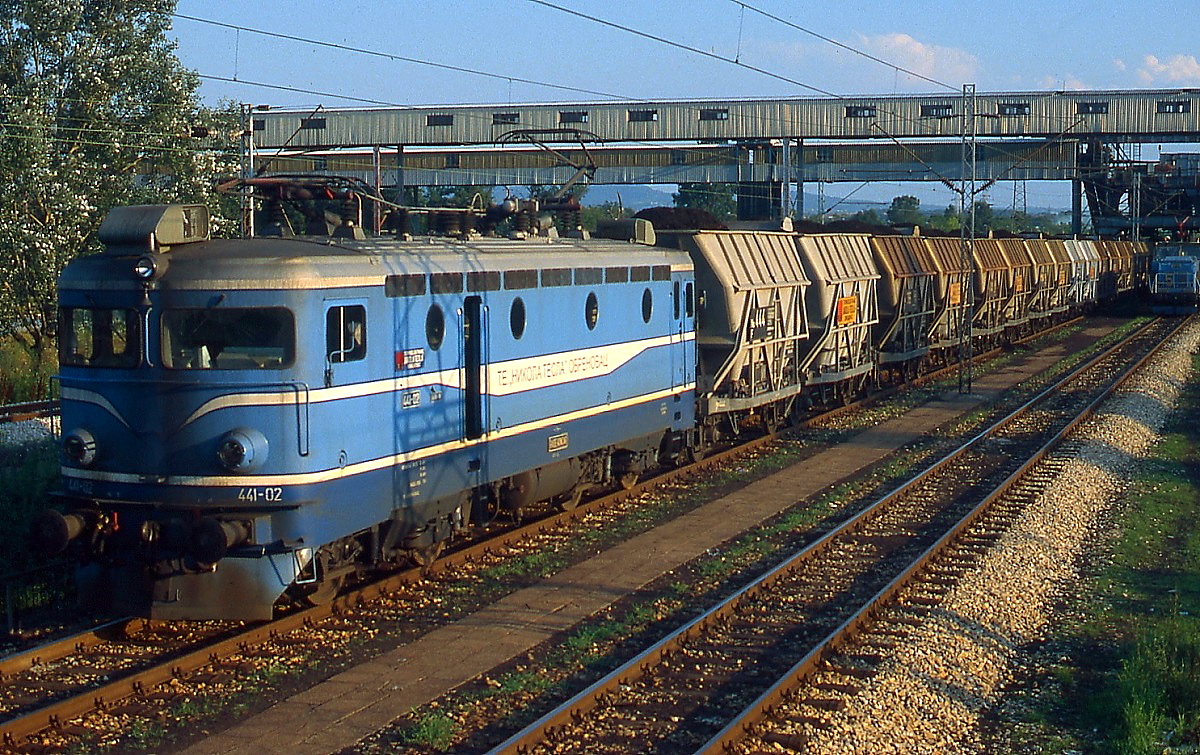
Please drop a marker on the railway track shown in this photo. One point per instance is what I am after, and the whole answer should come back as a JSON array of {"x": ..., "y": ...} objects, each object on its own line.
[
  {"x": 756, "y": 648},
  {"x": 27, "y": 410},
  {"x": 122, "y": 662},
  {"x": 120, "y": 665}
]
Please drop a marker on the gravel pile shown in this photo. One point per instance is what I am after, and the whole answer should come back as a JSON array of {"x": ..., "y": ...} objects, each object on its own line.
[
  {"x": 14, "y": 434},
  {"x": 935, "y": 684}
]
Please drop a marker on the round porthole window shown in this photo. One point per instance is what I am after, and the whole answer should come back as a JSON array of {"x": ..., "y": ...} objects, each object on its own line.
[
  {"x": 435, "y": 327},
  {"x": 647, "y": 305},
  {"x": 516, "y": 318},
  {"x": 591, "y": 311}
]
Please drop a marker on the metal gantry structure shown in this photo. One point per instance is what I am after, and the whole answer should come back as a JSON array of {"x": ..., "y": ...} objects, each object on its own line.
[
  {"x": 966, "y": 243},
  {"x": 765, "y": 145}
]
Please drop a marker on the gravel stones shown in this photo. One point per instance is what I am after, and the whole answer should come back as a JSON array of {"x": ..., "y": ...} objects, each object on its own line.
[
  {"x": 15, "y": 434},
  {"x": 933, "y": 685}
]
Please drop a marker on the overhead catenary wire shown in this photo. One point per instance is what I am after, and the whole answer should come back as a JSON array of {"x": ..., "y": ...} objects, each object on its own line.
[
  {"x": 395, "y": 57},
  {"x": 658, "y": 39},
  {"x": 687, "y": 48},
  {"x": 842, "y": 45}
]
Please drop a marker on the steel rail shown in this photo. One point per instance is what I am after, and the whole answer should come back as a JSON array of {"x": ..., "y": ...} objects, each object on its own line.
[
  {"x": 17, "y": 730},
  {"x": 28, "y": 410},
  {"x": 582, "y": 703},
  {"x": 764, "y": 707}
]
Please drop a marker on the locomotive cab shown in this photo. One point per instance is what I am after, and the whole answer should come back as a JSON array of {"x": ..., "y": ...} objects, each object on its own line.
[{"x": 141, "y": 463}]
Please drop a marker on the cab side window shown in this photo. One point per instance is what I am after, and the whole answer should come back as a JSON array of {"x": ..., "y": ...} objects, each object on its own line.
[{"x": 346, "y": 333}]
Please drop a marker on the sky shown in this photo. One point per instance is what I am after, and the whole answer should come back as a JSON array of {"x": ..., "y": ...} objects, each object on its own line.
[{"x": 401, "y": 53}]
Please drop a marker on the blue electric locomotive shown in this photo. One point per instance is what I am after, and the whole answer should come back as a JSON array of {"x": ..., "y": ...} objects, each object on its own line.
[{"x": 245, "y": 418}]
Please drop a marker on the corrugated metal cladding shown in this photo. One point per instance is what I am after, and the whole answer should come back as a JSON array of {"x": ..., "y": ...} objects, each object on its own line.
[
  {"x": 839, "y": 257},
  {"x": 752, "y": 260},
  {"x": 988, "y": 255},
  {"x": 947, "y": 254},
  {"x": 1041, "y": 252},
  {"x": 1160, "y": 114},
  {"x": 904, "y": 256},
  {"x": 1016, "y": 252}
]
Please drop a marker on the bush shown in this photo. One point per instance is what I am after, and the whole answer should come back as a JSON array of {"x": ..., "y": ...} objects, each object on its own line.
[{"x": 27, "y": 474}]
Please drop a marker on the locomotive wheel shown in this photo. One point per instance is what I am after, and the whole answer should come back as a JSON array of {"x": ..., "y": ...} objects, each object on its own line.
[
  {"x": 572, "y": 499},
  {"x": 426, "y": 555},
  {"x": 324, "y": 592}
]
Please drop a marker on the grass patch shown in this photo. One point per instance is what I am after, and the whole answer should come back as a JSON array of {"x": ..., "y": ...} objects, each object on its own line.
[
  {"x": 432, "y": 731},
  {"x": 1125, "y": 674}
]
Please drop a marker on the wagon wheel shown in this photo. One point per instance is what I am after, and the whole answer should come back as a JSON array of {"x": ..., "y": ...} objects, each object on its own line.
[
  {"x": 847, "y": 394},
  {"x": 772, "y": 419}
]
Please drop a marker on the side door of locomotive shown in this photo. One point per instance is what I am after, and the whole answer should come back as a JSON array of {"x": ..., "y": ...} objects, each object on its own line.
[
  {"x": 345, "y": 342},
  {"x": 345, "y": 355},
  {"x": 476, "y": 404},
  {"x": 683, "y": 347}
]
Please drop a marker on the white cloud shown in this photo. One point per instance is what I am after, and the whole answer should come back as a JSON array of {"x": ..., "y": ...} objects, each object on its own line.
[
  {"x": 828, "y": 66},
  {"x": 1068, "y": 83},
  {"x": 1181, "y": 69},
  {"x": 1119, "y": 65},
  {"x": 948, "y": 64}
]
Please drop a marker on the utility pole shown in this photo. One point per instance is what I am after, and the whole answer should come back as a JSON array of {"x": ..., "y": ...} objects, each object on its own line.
[
  {"x": 966, "y": 242},
  {"x": 248, "y": 168}
]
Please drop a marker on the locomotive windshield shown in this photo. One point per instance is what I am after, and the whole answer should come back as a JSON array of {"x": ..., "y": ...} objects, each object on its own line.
[
  {"x": 228, "y": 339},
  {"x": 98, "y": 337}
]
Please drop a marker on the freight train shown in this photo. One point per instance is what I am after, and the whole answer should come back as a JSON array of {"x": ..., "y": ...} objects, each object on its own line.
[{"x": 251, "y": 421}]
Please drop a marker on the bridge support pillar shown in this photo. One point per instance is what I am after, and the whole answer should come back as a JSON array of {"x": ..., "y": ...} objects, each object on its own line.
[
  {"x": 1076, "y": 207},
  {"x": 758, "y": 200}
]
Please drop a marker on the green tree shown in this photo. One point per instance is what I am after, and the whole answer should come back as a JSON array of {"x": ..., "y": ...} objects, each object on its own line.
[
  {"x": 608, "y": 211},
  {"x": 985, "y": 217},
  {"x": 454, "y": 196},
  {"x": 97, "y": 111},
  {"x": 869, "y": 217},
  {"x": 718, "y": 199},
  {"x": 947, "y": 220},
  {"x": 905, "y": 210}
]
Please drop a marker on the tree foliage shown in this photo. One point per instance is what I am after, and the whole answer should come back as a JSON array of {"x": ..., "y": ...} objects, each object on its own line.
[
  {"x": 867, "y": 217},
  {"x": 718, "y": 199},
  {"x": 905, "y": 210},
  {"x": 97, "y": 112}
]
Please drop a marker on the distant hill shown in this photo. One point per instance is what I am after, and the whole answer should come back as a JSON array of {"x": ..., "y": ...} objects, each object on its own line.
[
  {"x": 633, "y": 197},
  {"x": 638, "y": 197}
]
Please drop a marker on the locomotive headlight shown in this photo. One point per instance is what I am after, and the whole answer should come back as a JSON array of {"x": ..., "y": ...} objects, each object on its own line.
[
  {"x": 79, "y": 447},
  {"x": 242, "y": 450},
  {"x": 149, "y": 267},
  {"x": 145, "y": 268}
]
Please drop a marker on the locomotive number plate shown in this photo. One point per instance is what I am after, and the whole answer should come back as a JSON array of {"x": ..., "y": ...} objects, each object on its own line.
[
  {"x": 557, "y": 443},
  {"x": 260, "y": 494}
]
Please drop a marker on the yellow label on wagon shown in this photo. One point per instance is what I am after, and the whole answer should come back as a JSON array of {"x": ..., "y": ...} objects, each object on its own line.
[{"x": 847, "y": 310}]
